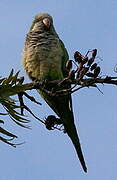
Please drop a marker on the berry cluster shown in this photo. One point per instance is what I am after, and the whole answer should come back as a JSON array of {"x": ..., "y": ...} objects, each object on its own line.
[
  {"x": 51, "y": 122},
  {"x": 85, "y": 65}
]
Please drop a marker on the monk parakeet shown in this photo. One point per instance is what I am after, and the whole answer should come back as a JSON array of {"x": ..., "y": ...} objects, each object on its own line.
[{"x": 44, "y": 58}]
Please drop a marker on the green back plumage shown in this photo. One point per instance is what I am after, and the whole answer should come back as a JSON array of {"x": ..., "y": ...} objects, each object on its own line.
[{"x": 64, "y": 60}]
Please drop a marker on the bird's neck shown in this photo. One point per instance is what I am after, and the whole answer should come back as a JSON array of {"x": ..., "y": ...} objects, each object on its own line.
[{"x": 41, "y": 38}]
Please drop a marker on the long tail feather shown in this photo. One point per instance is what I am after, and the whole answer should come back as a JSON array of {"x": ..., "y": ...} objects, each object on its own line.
[{"x": 72, "y": 133}]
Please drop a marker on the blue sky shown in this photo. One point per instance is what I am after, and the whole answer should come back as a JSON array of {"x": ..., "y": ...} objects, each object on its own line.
[{"x": 46, "y": 155}]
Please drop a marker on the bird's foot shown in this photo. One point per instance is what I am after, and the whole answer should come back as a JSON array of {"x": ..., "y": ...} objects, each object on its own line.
[
  {"x": 40, "y": 83},
  {"x": 63, "y": 82}
]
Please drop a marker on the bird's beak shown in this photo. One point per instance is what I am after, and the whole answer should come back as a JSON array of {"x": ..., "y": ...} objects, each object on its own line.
[{"x": 46, "y": 22}]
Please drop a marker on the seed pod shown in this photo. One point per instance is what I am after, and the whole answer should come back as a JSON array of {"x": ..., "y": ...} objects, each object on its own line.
[
  {"x": 77, "y": 75},
  {"x": 97, "y": 71},
  {"x": 86, "y": 69},
  {"x": 90, "y": 74},
  {"x": 83, "y": 72},
  {"x": 58, "y": 121},
  {"x": 80, "y": 67},
  {"x": 50, "y": 122},
  {"x": 72, "y": 74},
  {"x": 69, "y": 65},
  {"x": 78, "y": 57},
  {"x": 84, "y": 59},
  {"x": 93, "y": 66},
  {"x": 94, "y": 53},
  {"x": 90, "y": 61}
]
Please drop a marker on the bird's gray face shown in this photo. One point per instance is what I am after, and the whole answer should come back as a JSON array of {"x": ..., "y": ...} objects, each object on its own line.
[{"x": 42, "y": 22}]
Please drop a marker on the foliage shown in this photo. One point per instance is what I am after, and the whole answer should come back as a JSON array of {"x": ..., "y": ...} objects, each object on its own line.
[{"x": 10, "y": 86}]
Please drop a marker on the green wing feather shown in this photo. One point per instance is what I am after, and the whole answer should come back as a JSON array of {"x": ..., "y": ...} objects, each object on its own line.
[
  {"x": 67, "y": 116},
  {"x": 62, "y": 106},
  {"x": 64, "y": 60}
]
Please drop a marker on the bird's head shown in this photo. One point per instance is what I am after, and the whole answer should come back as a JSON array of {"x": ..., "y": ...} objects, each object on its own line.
[{"x": 42, "y": 22}]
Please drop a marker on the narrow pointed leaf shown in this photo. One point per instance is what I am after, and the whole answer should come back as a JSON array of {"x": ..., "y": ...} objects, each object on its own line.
[
  {"x": 7, "y": 141},
  {"x": 1, "y": 121},
  {"x": 5, "y": 132},
  {"x": 15, "y": 78}
]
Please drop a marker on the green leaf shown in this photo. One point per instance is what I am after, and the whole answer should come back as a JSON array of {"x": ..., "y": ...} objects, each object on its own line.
[
  {"x": 7, "y": 141},
  {"x": 5, "y": 132},
  {"x": 3, "y": 114},
  {"x": 24, "y": 126},
  {"x": 15, "y": 78},
  {"x": 1, "y": 121},
  {"x": 11, "y": 73}
]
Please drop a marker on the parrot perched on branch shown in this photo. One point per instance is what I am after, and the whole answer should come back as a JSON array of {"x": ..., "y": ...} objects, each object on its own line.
[{"x": 45, "y": 58}]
